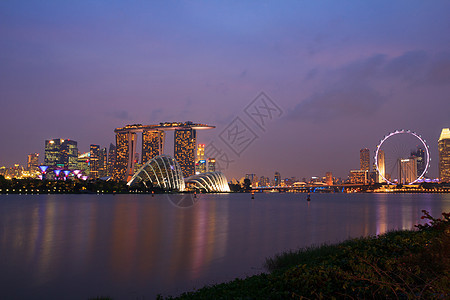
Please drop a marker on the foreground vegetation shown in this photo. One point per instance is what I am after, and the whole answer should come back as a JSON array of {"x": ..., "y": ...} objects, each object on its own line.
[{"x": 396, "y": 265}]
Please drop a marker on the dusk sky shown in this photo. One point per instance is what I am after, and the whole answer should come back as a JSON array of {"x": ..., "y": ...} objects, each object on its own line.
[{"x": 342, "y": 73}]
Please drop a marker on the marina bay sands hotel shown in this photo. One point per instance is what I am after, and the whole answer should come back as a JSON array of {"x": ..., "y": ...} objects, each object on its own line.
[{"x": 153, "y": 137}]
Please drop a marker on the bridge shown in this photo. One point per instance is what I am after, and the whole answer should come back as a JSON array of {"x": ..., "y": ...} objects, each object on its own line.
[{"x": 313, "y": 188}]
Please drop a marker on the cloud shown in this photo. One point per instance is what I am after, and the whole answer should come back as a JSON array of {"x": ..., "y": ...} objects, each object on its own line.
[
  {"x": 361, "y": 87},
  {"x": 122, "y": 115},
  {"x": 357, "y": 101}
]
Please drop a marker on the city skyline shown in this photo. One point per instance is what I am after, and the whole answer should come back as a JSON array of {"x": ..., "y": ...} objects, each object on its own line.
[{"x": 343, "y": 77}]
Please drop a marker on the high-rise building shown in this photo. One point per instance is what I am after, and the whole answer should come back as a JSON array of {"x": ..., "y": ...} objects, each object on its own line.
[
  {"x": 444, "y": 155},
  {"x": 124, "y": 166},
  {"x": 83, "y": 163},
  {"x": 33, "y": 161},
  {"x": 407, "y": 170},
  {"x": 200, "y": 166},
  {"x": 364, "y": 159},
  {"x": 381, "y": 167},
  {"x": 94, "y": 161},
  {"x": 419, "y": 154},
  {"x": 61, "y": 153},
  {"x": 200, "y": 152},
  {"x": 111, "y": 159},
  {"x": 328, "y": 178},
  {"x": 359, "y": 176},
  {"x": 211, "y": 164},
  {"x": 277, "y": 179},
  {"x": 152, "y": 144},
  {"x": 184, "y": 150}
]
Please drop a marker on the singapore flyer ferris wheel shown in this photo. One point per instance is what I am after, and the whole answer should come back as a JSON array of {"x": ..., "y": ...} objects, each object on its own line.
[{"x": 402, "y": 157}]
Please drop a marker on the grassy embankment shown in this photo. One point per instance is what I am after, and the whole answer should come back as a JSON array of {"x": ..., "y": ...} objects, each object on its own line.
[{"x": 396, "y": 265}]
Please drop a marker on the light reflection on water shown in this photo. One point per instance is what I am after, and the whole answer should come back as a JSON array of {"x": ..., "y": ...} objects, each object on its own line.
[{"x": 131, "y": 246}]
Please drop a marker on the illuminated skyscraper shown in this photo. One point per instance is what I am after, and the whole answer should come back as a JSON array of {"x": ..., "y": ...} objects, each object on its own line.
[
  {"x": 124, "y": 166},
  {"x": 328, "y": 178},
  {"x": 444, "y": 155},
  {"x": 277, "y": 179},
  {"x": 33, "y": 162},
  {"x": 184, "y": 150},
  {"x": 419, "y": 154},
  {"x": 381, "y": 167},
  {"x": 211, "y": 164},
  {"x": 111, "y": 159},
  {"x": 200, "y": 152},
  {"x": 407, "y": 170},
  {"x": 364, "y": 159},
  {"x": 94, "y": 164},
  {"x": 152, "y": 144},
  {"x": 61, "y": 153}
]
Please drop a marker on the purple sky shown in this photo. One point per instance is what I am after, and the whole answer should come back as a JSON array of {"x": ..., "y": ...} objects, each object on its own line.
[{"x": 344, "y": 73}]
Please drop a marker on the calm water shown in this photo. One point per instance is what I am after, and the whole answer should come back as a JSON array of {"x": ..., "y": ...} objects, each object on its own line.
[{"x": 136, "y": 246}]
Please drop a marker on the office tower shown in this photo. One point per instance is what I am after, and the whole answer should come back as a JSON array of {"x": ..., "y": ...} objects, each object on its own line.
[
  {"x": 152, "y": 144},
  {"x": 102, "y": 163},
  {"x": 364, "y": 159},
  {"x": 94, "y": 163},
  {"x": 61, "y": 153},
  {"x": 83, "y": 163},
  {"x": 328, "y": 178},
  {"x": 125, "y": 149},
  {"x": 407, "y": 170},
  {"x": 444, "y": 155},
  {"x": 184, "y": 150},
  {"x": 277, "y": 179},
  {"x": 419, "y": 154},
  {"x": 200, "y": 166},
  {"x": 33, "y": 161},
  {"x": 211, "y": 164},
  {"x": 200, "y": 152},
  {"x": 381, "y": 166},
  {"x": 359, "y": 176},
  {"x": 111, "y": 159}
]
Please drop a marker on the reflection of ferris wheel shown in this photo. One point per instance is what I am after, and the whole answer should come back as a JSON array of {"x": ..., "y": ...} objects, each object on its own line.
[{"x": 402, "y": 157}]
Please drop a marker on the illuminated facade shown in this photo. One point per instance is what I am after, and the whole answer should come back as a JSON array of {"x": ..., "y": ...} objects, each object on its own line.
[
  {"x": 152, "y": 144},
  {"x": 61, "y": 153},
  {"x": 359, "y": 176},
  {"x": 381, "y": 167},
  {"x": 214, "y": 182},
  {"x": 407, "y": 170},
  {"x": 364, "y": 159},
  {"x": 83, "y": 163},
  {"x": 444, "y": 155},
  {"x": 125, "y": 145},
  {"x": 111, "y": 159},
  {"x": 163, "y": 172},
  {"x": 328, "y": 178},
  {"x": 184, "y": 150},
  {"x": 277, "y": 179},
  {"x": 211, "y": 164},
  {"x": 184, "y": 145},
  {"x": 33, "y": 161},
  {"x": 94, "y": 164}
]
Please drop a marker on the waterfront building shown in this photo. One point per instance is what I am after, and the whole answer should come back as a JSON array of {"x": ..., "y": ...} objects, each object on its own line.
[
  {"x": 277, "y": 179},
  {"x": 209, "y": 182},
  {"x": 152, "y": 144},
  {"x": 381, "y": 167},
  {"x": 111, "y": 159},
  {"x": 163, "y": 172},
  {"x": 200, "y": 152},
  {"x": 264, "y": 181},
  {"x": 125, "y": 149},
  {"x": 33, "y": 162},
  {"x": 94, "y": 164},
  {"x": 364, "y": 159},
  {"x": 184, "y": 150},
  {"x": 61, "y": 153},
  {"x": 211, "y": 164},
  {"x": 83, "y": 163},
  {"x": 407, "y": 170},
  {"x": 359, "y": 176},
  {"x": 419, "y": 154},
  {"x": 328, "y": 178},
  {"x": 444, "y": 155},
  {"x": 200, "y": 167}
]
